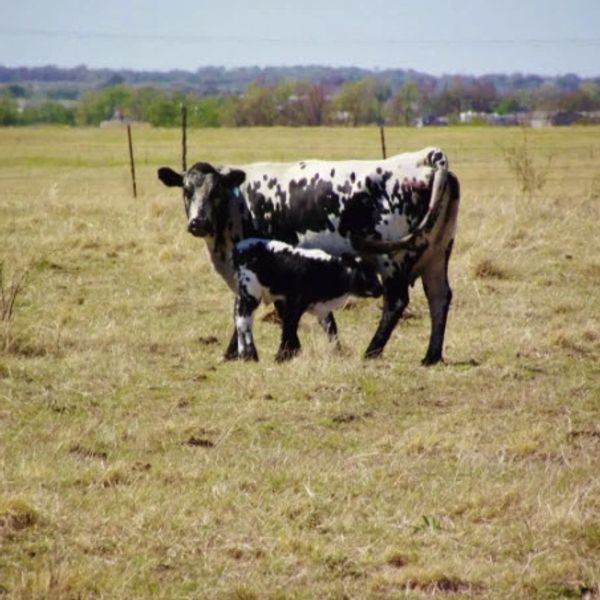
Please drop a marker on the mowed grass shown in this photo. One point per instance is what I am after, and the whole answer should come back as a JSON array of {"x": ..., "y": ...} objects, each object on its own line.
[{"x": 134, "y": 463}]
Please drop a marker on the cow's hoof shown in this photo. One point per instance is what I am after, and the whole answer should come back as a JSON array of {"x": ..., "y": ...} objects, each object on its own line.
[
  {"x": 249, "y": 356},
  {"x": 287, "y": 354},
  {"x": 230, "y": 356},
  {"x": 429, "y": 361},
  {"x": 374, "y": 353}
]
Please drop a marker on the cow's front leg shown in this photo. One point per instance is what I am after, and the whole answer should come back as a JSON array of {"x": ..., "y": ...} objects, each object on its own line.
[
  {"x": 395, "y": 300},
  {"x": 439, "y": 296},
  {"x": 290, "y": 343},
  {"x": 245, "y": 307}
]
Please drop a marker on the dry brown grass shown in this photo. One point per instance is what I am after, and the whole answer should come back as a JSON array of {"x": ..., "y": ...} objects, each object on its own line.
[{"x": 135, "y": 464}]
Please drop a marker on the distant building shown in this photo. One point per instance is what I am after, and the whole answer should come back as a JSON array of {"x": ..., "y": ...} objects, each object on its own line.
[
  {"x": 564, "y": 118},
  {"x": 470, "y": 117},
  {"x": 431, "y": 121},
  {"x": 117, "y": 120}
]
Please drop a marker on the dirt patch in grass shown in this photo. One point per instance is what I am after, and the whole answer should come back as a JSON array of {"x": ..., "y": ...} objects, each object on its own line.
[
  {"x": 17, "y": 514},
  {"x": 487, "y": 268}
]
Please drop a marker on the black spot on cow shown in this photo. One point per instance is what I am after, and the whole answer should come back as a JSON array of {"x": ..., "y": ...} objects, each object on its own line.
[
  {"x": 281, "y": 194},
  {"x": 410, "y": 200},
  {"x": 261, "y": 208},
  {"x": 359, "y": 216},
  {"x": 345, "y": 189},
  {"x": 332, "y": 173},
  {"x": 311, "y": 204},
  {"x": 272, "y": 183},
  {"x": 353, "y": 177}
]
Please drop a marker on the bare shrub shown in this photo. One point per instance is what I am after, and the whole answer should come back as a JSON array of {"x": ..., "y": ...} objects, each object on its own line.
[
  {"x": 8, "y": 297},
  {"x": 531, "y": 176},
  {"x": 595, "y": 187}
]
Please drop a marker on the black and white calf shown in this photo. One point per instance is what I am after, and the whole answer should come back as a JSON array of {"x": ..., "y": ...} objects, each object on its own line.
[
  {"x": 400, "y": 213},
  {"x": 297, "y": 280}
]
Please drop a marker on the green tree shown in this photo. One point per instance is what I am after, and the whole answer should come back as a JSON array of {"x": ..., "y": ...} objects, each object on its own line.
[
  {"x": 258, "y": 106},
  {"x": 99, "y": 106},
  {"x": 358, "y": 99},
  {"x": 163, "y": 112},
  {"x": 8, "y": 111},
  {"x": 48, "y": 112},
  {"x": 405, "y": 104},
  {"x": 205, "y": 112},
  {"x": 508, "y": 105}
]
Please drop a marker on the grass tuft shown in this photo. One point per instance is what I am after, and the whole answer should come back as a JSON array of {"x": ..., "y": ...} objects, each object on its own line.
[{"x": 486, "y": 268}]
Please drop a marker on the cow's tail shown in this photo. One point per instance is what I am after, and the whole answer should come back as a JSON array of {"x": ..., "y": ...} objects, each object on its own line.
[{"x": 438, "y": 189}]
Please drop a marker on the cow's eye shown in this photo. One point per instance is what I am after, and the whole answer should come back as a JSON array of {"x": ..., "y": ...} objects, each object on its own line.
[{"x": 188, "y": 191}]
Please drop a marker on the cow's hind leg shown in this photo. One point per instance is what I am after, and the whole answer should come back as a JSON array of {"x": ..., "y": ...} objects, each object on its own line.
[
  {"x": 395, "y": 300},
  {"x": 245, "y": 307},
  {"x": 439, "y": 296},
  {"x": 290, "y": 343}
]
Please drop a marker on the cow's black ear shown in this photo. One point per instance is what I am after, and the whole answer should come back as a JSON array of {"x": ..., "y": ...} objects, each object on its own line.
[
  {"x": 170, "y": 178},
  {"x": 233, "y": 177}
]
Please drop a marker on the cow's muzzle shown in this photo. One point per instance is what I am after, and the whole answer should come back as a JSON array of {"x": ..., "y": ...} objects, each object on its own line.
[{"x": 200, "y": 227}]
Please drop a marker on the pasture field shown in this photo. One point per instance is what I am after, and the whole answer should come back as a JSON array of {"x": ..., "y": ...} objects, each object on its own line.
[{"x": 135, "y": 464}]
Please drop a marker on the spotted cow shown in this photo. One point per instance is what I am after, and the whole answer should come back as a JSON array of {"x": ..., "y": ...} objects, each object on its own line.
[
  {"x": 399, "y": 213},
  {"x": 296, "y": 280}
]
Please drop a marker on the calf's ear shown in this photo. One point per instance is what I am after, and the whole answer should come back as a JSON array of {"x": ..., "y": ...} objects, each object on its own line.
[
  {"x": 233, "y": 177},
  {"x": 170, "y": 178},
  {"x": 352, "y": 260}
]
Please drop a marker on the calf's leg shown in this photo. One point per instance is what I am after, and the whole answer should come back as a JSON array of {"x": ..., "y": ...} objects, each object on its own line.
[
  {"x": 395, "y": 300},
  {"x": 329, "y": 326},
  {"x": 231, "y": 352},
  {"x": 245, "y": 307},
  {"x": 290, "y": 343}
]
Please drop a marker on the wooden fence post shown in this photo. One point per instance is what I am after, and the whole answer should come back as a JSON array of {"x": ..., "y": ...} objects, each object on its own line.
[
  {"x": 131, "y": 161},
  {"x": 382, "y": 136}
]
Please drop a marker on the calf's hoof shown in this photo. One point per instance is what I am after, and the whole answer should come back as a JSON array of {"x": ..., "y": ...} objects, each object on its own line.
[
  {"x": 230, "y": 355},
  {"x": 286, "y": 354},
  {"x": 249, "y": 355}
]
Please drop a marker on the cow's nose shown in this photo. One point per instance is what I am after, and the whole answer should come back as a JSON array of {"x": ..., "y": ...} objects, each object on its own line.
[{"x": 196, "y": 226}]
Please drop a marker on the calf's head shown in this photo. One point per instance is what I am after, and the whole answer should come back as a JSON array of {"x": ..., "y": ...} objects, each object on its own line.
[
  {"x": 365, "y": 281},
  {"x": 206, "y": 193}
]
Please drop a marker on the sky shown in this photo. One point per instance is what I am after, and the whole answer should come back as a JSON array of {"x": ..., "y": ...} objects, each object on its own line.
[{"x": 545, "y": 37}]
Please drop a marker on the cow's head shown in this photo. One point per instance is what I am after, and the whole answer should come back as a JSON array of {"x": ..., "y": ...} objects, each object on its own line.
[
  {"x": 365, "y": 281},
  {"x": 206, "y": 193}
]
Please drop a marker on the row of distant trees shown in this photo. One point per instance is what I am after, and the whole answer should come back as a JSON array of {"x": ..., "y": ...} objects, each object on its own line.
[{"x": 359, "y": 102}]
